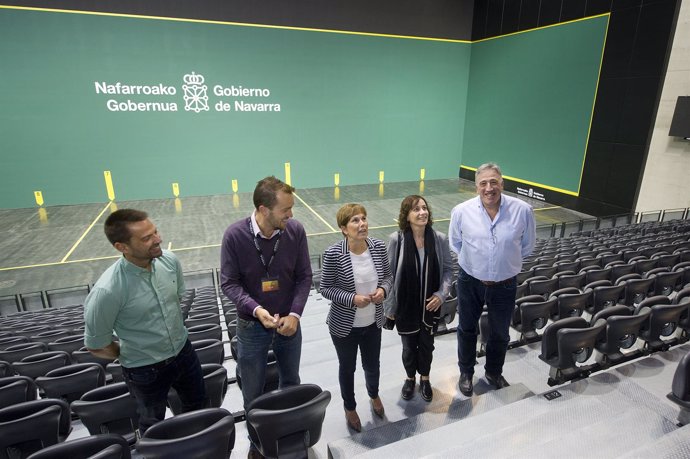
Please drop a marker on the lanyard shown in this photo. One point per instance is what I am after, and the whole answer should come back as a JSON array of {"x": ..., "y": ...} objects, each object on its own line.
[{"x": 258, "y": 249}]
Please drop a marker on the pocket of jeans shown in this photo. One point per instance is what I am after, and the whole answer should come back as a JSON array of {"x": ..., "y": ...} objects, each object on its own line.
[
  {"x": 245, "y": 324},
  {"x": 142, "y": 376}
]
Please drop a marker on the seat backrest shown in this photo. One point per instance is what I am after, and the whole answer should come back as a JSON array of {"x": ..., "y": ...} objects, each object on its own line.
[
  {"x": 7, "y": 341},
  {"x": 288, "y": 420},
  {"x": 16, "y": 389},
  {"x": 37, "y": 365},
  {"x": 73, "y": 381},
  {"x": 208, "y": 433},
  {"x": 17, "y": 352},
  {"x": 215, "y": 382},
  {"x": 209, "y": 351},
  {"x": 68, "y": 344},
  {"x": 680, "y": 387},
  {"x": 103, "y": 446},
  {"x": 28, "y": 431},
  {"x": 108, "y": 409},
  {"x": 205, "y": 331}
]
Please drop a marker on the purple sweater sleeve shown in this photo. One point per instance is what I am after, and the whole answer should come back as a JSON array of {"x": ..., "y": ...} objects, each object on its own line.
[
  {"x": 303, "y": 274},
  {"x": 231, "y": 253}
]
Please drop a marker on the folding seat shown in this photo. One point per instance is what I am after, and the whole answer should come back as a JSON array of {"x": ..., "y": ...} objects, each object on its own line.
[
  {"x": 103, "y": 446},
  {"x": 663, "y": 321},
  {"x": 567, "y": 265},
  {"x": 209, "y": 351},
  {"x": 667, "y": 260},
  {"x": 605, "y": 296},
  {"x": 680, "y": 389},
  {"x": 82, "y": 355},
  {"x": 50, "y": 336},
  {"x": 622, "y": 330},
  {"x": 532, "y": 313},
  {"x": 570, "y": 302},
  {"x": 37, "y": 365},
  {"x": 542, "y": 286},
  {"x": 215, "y": 382},
  {"x": 68, "y": 343},
  {"x": 17, "y": 389},
  {"x": 6, "y": 369},
  {"x": 109, "y": 409},
  {"x": 641, "y": 266},
  {"x": 522, "y": 276},
  {"x": 288, "y": 421},
  {"x": 11, "y": 340},
  {"x": 607, "y": 257},
  {"x": 636, "y": 288},
  {"x": 683, "y": 267},
  {"x": 571, "y": 280},
  {"x": 113, "y": 372},
  {"x": 202, "y": 319},
  {"x": 619, "y": 271},
  {"x": 17, "y": 352},
  {"x": 544, "y": 270},
  {"x": 196, "y": 311},
  {"x": 566, "y": 343},
  {"x": 589, "y": 261},
  {"x": 596, "y": 274},
  {"x": 665, "y": 281},
  {"x": 202, "y": 434},
  {"x": 205, "y": 331},
  {"x": 30, "y": 426},
  {"x": 72, "y": 381}
]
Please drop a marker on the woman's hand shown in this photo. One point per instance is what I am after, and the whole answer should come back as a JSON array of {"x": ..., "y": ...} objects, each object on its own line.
[
  {"x": 362, "y": 301},
  {"x": 378, "y": 296}
]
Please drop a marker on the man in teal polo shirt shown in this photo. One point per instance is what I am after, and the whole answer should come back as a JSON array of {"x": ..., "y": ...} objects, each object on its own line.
[{"x": 138, "y": 298}]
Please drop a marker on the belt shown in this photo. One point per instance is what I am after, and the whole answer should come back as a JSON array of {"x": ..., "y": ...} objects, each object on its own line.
[{"x": 494, "y": 283}]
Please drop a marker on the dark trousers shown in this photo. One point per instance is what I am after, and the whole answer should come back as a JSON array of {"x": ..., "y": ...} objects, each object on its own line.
[
  {"x": 500, "y": 301},
  {"x": 150, "y": 385},
  {"x": 368, "y": 341},
  {"x": 417, "y": 352}
]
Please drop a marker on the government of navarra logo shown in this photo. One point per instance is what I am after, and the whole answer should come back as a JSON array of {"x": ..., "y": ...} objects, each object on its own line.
[{"x": 195, "y": 98}]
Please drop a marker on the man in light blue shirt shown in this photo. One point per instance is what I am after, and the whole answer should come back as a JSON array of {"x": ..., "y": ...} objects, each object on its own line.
[
  {"x": 491, "y": 234},
  {"x": 138, "y": 298}
]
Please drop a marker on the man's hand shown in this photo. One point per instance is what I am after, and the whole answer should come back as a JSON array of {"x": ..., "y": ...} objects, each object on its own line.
[
  {"x": 266, "y": 319},
  {"x": 287, "y": 326},
  {"x": 378, "y": 296},
  {"x": 110, "y": 352},
  {"x": 433, "y": 303}
]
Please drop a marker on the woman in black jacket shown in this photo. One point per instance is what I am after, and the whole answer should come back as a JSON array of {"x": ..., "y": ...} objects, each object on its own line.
[{"x": 421, "y": 262}]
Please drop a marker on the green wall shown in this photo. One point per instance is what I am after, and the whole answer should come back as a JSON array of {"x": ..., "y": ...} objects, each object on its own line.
[
  {"x": 530, "y": 102},
  {"x": 349, "y": 104}
]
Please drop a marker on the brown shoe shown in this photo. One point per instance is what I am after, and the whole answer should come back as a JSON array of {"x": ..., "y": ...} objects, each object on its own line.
[
  {"x": 352, "y": 419},
  {"x": 377, "y": 407},
  {"x": 254, "y": 454}
]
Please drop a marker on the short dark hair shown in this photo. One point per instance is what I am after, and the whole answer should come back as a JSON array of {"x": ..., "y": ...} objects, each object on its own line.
[
  {"x": 407, "y": 205},
  {"x": 266, "y": 191},
  {"x": 116, "y": 225}
]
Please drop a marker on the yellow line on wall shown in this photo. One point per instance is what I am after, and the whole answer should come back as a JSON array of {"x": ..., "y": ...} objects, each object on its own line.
[
  {"x": 548, "y": 208},
  {"x": 240, "y": 24},
  {"x": 95, "y": 220},
  {"x": 315, "y": 213}
]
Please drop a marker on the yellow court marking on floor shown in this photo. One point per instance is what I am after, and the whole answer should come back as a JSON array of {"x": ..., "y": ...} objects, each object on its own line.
[
  {"x": 549, "y": 208},
  {"x": 64, "y": 259},
  {"x": 314, "y": 212}
]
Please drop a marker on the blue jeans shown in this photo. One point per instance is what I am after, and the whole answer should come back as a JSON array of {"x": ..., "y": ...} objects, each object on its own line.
[
  {"x": 368, "y": 340},
  {"x": 150, "y": 385},
  {"x": 253, "y": 344},
  {"x": 500, "y": 301}
]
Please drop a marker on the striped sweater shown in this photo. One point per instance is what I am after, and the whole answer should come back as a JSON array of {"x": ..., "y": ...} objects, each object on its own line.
[{"x": 338, "y": 284}]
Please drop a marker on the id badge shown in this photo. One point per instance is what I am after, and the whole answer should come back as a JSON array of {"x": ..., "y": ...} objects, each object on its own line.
[{"x": 269, "y": 284}]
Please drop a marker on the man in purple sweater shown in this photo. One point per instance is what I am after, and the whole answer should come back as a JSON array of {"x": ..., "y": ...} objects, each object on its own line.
[{"x": 265, "y": 271}]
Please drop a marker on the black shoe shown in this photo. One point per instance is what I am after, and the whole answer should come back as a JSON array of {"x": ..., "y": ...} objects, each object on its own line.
[
  {"x": 407, "y": 391},
  {"x": 499, "y": 382},
  {"x": 425, "y": 390},
  {"x": 465, "y": 384}
]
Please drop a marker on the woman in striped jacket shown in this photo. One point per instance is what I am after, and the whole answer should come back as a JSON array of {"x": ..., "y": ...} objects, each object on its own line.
[{"x": 356, "y": 278}]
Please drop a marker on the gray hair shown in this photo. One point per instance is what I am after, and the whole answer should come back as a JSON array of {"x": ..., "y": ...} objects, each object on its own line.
[{"x": 487, "y": 166}]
